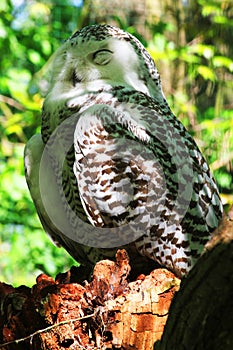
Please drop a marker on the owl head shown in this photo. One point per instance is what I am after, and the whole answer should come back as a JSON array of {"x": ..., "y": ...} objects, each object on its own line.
[{"x": 98, "y": 56}]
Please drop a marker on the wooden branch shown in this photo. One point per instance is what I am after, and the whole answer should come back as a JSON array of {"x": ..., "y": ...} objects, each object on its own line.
[{"x": 11, "y": 102}]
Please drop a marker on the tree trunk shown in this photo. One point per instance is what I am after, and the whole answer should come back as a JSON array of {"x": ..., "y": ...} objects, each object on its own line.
[{"x": 201, "y": 314}]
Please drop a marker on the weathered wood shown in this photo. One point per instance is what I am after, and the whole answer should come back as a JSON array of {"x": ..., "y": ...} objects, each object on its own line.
[
  {"x": 110, "y": 313},
  {"x": 107, "y": 313}
]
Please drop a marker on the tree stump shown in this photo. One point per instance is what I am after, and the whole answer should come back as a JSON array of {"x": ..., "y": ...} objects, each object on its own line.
[
  {"x": 107, "y": 313},
  {"x": 111, "y": 313}
]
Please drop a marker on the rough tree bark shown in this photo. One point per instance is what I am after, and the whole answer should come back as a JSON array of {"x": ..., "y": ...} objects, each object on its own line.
[
  {"x": 107, "y": 313},
  {"x": 110, "y": 313},
  {"x": 201, "y": 314}
]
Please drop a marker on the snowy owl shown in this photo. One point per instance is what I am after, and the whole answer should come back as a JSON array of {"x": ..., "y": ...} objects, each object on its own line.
[{"x": 113, "y": 167}]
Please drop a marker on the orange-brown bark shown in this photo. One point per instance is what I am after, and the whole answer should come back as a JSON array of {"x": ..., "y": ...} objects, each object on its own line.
[
  {"x": 107, "y": 313},
  {"x": 111, "y": 313}
]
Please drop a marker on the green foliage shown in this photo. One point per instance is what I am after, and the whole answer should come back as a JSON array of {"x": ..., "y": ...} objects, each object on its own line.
[
  {"x": 27, "y": 37},
  {"x": 30, "y": 31},
  {"x": 25, "y": 250}
]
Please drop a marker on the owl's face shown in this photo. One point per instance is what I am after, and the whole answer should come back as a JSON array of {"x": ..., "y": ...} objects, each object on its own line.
[
  {"x": 100, "y": 56},
  {"x": 110, "y": 61}
]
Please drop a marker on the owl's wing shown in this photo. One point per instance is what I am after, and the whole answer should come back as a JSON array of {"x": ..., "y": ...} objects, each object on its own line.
[
  {"x": 136, "y": 163},
  {"x": 120, "y": 175},
  {"x": 137, "y": 167},
  {"x": 42, "y": 184}
]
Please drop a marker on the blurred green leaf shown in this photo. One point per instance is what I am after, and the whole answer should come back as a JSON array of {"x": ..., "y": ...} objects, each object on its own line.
[
  {"x": 206, "y": 51},
  {"x": 206, "y": 72},
  {"x": 222, "y": 61}
]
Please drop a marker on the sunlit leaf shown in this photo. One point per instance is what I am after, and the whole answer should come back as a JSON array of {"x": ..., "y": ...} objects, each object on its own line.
[
  {"x": 206, "y": 51},
  {"x": 206, "y": 72},
  {"x": 34, "y": 56},
  {"x": 222, "y": 61}
]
